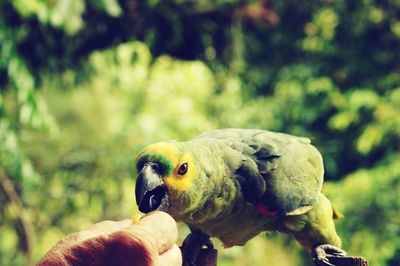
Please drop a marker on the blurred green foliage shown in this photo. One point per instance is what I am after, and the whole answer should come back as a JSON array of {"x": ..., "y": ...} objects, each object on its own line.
[{"x": 86, "y": 84}]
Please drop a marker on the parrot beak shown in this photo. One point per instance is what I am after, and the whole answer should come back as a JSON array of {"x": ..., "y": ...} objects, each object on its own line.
[{"x": 150, "y": 190}]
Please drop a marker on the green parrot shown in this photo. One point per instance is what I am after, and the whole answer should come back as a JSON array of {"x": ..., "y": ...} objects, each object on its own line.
[{"x": 232, "y": 184}]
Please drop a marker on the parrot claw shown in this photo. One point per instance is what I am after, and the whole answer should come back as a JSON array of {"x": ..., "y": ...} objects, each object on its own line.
[
  {"x": 192, "y": 245},
  {"x": 322, "y": 253}
]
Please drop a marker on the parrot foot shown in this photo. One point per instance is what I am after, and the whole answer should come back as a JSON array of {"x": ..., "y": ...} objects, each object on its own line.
[
  {"x": 322, "y": 253},
  {"x": 192, "y": 245}
]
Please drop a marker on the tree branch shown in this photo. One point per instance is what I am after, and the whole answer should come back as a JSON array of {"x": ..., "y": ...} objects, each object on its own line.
[{"x": 27, "y": 230}]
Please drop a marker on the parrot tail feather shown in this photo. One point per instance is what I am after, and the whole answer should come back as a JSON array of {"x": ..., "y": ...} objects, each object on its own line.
[{"x": 337, "y": 215}]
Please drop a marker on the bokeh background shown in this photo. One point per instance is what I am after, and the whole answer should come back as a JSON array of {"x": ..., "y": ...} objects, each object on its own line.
[{"x": 85, "y": 84}]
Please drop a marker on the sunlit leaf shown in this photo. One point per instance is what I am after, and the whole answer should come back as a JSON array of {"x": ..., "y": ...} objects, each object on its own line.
[
  {"x": 343, "y": 120},
  {"x": 363, "y": 98},
  {"x": 370, "y": 137}
]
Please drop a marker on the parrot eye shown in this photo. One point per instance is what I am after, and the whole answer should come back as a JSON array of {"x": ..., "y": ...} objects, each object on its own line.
[{"x": 183, "y": 169}]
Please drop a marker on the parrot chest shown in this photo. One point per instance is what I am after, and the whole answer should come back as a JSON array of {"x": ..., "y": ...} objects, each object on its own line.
[{"x": 236, "y": 224}]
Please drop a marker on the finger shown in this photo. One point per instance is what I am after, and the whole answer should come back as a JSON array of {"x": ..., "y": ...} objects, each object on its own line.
[
  {"x": 164, "y": 226},
  {"x": 171, "y": 257},
  {"x": 157, "y": 230},
  {"x": 103, "y": 228}
]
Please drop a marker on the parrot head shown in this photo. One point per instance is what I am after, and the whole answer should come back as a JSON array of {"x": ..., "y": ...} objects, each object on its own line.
[{"x": 166, "y": 178}]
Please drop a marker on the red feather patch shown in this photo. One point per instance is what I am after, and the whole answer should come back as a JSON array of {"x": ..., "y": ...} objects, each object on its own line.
[{"x": 265, "y": 211}]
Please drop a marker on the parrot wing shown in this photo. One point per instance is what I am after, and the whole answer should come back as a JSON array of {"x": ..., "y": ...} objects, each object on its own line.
[{"x": 279, "y": 173}]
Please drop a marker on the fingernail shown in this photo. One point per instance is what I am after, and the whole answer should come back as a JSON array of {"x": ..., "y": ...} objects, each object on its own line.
[{"x": 136, "y": 218}]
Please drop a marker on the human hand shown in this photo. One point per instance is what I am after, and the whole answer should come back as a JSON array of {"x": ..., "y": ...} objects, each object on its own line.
[{"x": 151, "y": 241}]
